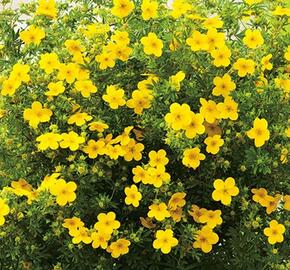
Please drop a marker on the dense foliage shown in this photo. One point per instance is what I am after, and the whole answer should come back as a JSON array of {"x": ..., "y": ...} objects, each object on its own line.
[{"x": 145, "y": 135}]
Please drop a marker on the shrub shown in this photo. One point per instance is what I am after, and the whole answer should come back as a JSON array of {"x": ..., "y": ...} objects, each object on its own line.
[{"x": 143, "y": 135}]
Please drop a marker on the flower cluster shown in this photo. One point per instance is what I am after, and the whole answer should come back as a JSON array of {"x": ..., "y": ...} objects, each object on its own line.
[{"x": 137, "y": 129}]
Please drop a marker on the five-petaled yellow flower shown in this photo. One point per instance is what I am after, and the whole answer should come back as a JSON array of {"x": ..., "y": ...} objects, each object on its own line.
[
  {"x": 253, "y": 38},
  {"x": 114, "y": 96},
  {"x": 165, "y": 241},
  {"x": 118, "y": 248},
  {"x": 33, "y": 35},
  {"x": 133, "y": 196},
  {"x": 225, "y": 190},
  {"x": 158, "y": 211},
  {"x": 244, "y": 66},
  {"x": 259, "y": 132},
  {"x": 64, "y": 191},
  {"x": 275, "y": 232},
  {"x": 37, "y": 114},
  {"x": 122, "y": 8},
  {"x": 205, "y": 239},
  {"x": 152, "y": 44},
  {"x": 192, "y": 157},
  {"x": 179, "y": 116},
  {"x": 213, "y": 144}
]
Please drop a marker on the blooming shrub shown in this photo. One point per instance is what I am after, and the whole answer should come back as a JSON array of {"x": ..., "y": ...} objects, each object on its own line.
[{"x": 145, "y": 135}]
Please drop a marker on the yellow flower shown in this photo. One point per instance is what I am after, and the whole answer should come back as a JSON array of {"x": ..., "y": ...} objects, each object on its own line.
[
  {"x": 64, "y": 191},
  {"x": 140, "y": 174},
  {"x": 195, "y": 126},
  {"x": 212, "y": 218},
  {"x": 140, "y": 100},
  {"x": 20, "y": 73},
  {"x": 221, "y": 56},
  {"x": 118, "y": 248},
  {"x": 74, "y": 46},
  {"x": 228, "y": 109},
  {"x": 192, "y": 157},
  {"x": 225, "y": 190},
  {"x": 100, "y": 239},
  {"x": 83, "y": 74},
  {"x": 152, "y": 44},
  {"x": 287, "y": 53},
  {"x": 71, "y": 140},
  {"x": 179, "y": 116},
  {"x": 79, "y": 119},
  {"x": 223, "y": 85},
  {"x": 114, "y": 96},
  {"x": 96, "y": 29},
  {"x": 259, "y": 195},
  {"x": 21, "y": 187},
  {"x": 81, "y": 235},
  {"x": 68, "y": 72},
  {"x": 197, "y": 41},
  {"x": 73, "y": 225},
  {"x": 55, "y": 89},
  {"x": 158, "y": 211},
  {"x": 287, "y": 202},
  {"x": 213, "y": 144},
  {"x": 133, "y": 196},
  {"x": 176, "y": 79},
  {"x": 37, "y": 114},
  {"x": 259, "y": 132},
  {"x": 158, "y": 158},
  {"x": 49, "y": 62},
  {"x": 177, "y": 201},
  {"x": 208, "y": 110},
  {"x": 253, "y": 38},
  {"x": 205, "y": 239},
  {"x": 122, "y": 8},
  {"x": 176, "y": 214},
  {"x": 283, "y": 83},
  {"x": 48, "y": 181},
  {"x": 265, "y": 61},
  {"x": 275, "y": 232},
  {"x": 121, "y": 37},
  {"x": 86, "y": 88},
  {"x": 165, "y": 241},
  {"x": 280, "y": 11},
  {"x": 107, "y": 223},
  {"x": 47, "y": 8},
  {"x": 48, "y": 140},
  {"x": 133, "y": 150},
  {"x": 121, "y": 52},
  {"x": 216, "y": 40},
  {"x": 149, "y": 9},
  {"x": 114, "y": 151},
  {"x": 196, "y": 212},
  {"x": 98, "y": 126},
  {"x": 33, "y": 35},
  {"x": 271, "y": 203},
  {"x": 179, "y": 8},
  {"x": 244, "y": 66},
  {"x": 157, "y": 176},
  {"x": 4, "y": 211},
  {"x": 105, "y": 60},
  {"x": 10, "y": 86},
  {"x": 95, "y": 148},
  {"x": 213, "y": 22}
]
